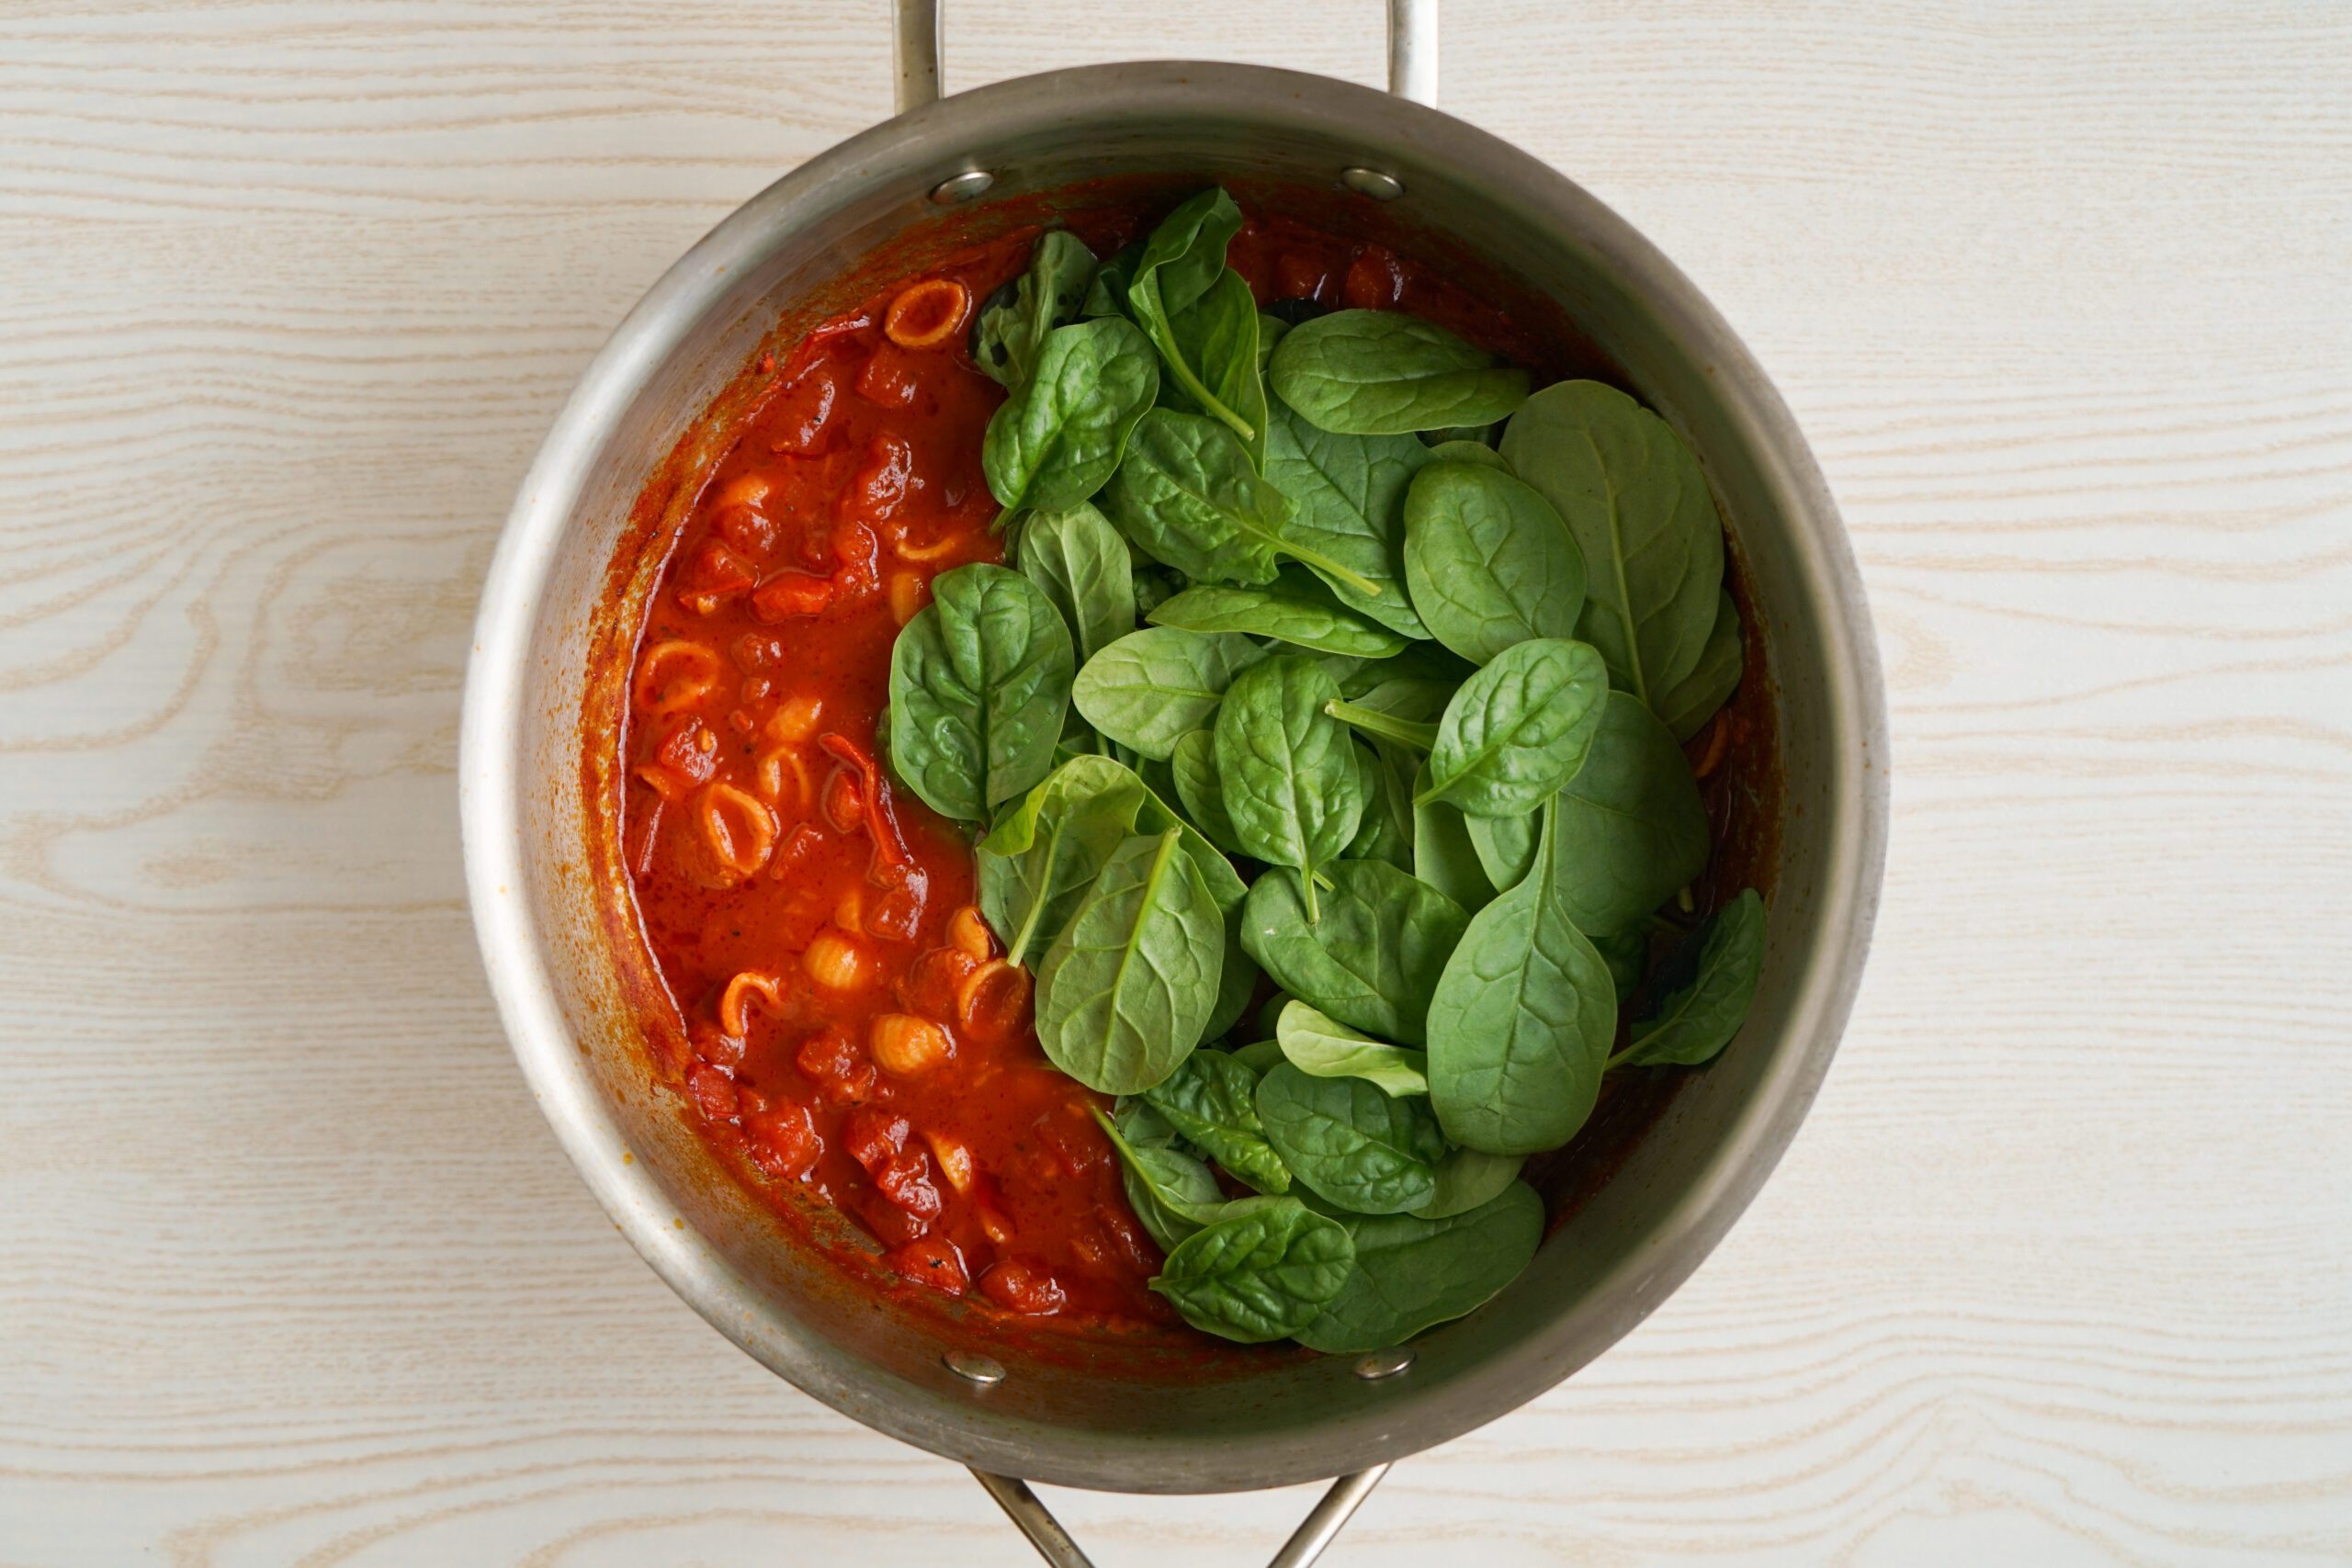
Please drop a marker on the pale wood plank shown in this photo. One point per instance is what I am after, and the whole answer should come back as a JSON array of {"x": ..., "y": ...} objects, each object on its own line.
[{"x": 2056, "y": 1273}]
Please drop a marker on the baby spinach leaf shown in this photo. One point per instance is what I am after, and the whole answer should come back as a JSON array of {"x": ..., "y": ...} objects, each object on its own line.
[
  {"x": 1271, "y": 328},
  {"x": 1210, "y": 1100},
  {"x": 1125, "y": 992},
  {"x": 1262, "y": 1270},
  {"x": 1108, "y": 294},
  {"x": 1193, "y": 765},
  {"x": 1155, "y": 585},
  {"x": 1270, "y": 1012},
  {"x": 1012, "y": 329},
  {"x": 1258, "y": 1055},
  {"x": 1387, "y": 830},
  {"x": 1292, "y": 791},
  {"x": 1519, "y": 729},
  {"x": 1693, "y": 700},
  {"x": 1190, "y": 495},
  {"x": 1061, "y": 434},
  {"x": 1460, "y": 451},
  {"x": 1375, "y": 958},
  {"x": 979, "y": 682},
  {"x": 1209, "y": 355},
  {"x": 1173, "y": 1193},
  {"x": 1225, "y": 885},
  {"x": 1350, "y": 495},
  {"x": 1412, "y": 1273},
  {"x": 1080, "y": 562},
  {"x": 1632, "y": 828},
  {"x": 1633, "y": 495},
  {"x": 1626, "y": 954},
  {"x": 1294, "y": 608},
  {"x": 1149, "y": 687},
  {"x": 1443, "y": 855},
  {"x": 1040, "y": 857},
  {"x": 1385, "y": 373},
  {"x": 1506, "y": 845},
  {"x": 1184, "y": 257},
  {"x": 1693, "y": 1023},
  {"x": 1201, "y": 316},
  {"x": 1355, "y": 1145},
  {"x": 1143, "y": 1126},
  {"x": 1238, "y": 980},
  {"x": 1316, "y": 1044},
  {"x": 1467, "y": 1180},
  {"x": 1520, "y": 1026},
  {"x": 1236, "y": 983},
  {"x": 1487, "y": 561}
]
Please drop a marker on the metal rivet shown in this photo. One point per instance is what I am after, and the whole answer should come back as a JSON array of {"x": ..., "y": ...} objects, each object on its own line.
[
  {"x": 1383, "y": 1364},
  {"x": 963, "y": 187},
  {"x": 1373, "y": 183},
  {"x": 969, "y": 1365}
]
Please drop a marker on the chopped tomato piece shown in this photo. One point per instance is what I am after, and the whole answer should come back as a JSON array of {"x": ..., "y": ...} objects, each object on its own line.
[
  {"x": 1134, "y": 1248},
  {"x": 1074, "y": 1141},
  {"x": 874, "y": 1137},
  {"x": 783, "y": 1141},
  {"x": 893, "y": 1225},
  {"x": 905, "y": 1179},
  {"x": 896, "y": 915},
  {"x": 1022, "y": 1288},
  {"x": 933, "y": 1261},
  {"x": 788, "y": 594},
  {"x": 746, "y": 531},
  {"x": 796, "y": 420},
  {"x": 712, "y": 1089},
  {"x": 837, "y": 1065},
  {"x": 1375, "y": 280},
  {"x": 715, "y": 569},
  {"x": 684, "y": 760},
  {"x": 891, "y": 379},
  {"x": 929, "y": 985},
  {"x": 1300, "y": 277},
  {"x": 858, "y": 552},
  {"x": 882, "y": 483}
]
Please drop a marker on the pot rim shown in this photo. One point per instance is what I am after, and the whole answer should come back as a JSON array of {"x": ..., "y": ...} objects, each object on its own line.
[{"x": 499, "y": 685}]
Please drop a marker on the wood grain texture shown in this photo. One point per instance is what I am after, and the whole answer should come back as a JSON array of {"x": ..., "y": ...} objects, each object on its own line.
[{"x": 290, "y": 1272}]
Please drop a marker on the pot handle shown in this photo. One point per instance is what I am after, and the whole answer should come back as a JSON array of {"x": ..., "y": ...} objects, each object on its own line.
[
  {"x": 1412, "y": 51},
  {"x": 1319, "y": 1529}
]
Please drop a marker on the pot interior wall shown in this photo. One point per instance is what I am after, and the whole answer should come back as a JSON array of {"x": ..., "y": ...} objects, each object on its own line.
[{"x": 1088, "y": 1418}]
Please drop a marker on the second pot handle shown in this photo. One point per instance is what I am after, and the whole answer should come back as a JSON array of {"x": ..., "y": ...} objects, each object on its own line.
[
  {"x": 1316, "y": 1531},
  {"x": 1412, "y": 51}
]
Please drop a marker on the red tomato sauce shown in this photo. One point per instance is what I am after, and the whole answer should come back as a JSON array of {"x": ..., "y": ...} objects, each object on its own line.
[{"x": 854, "y": 1036}]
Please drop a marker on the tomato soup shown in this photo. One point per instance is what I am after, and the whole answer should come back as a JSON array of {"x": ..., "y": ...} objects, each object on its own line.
[{"x": 855, "y": 1037}]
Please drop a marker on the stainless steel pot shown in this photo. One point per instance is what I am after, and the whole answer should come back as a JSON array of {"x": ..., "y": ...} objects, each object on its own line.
[{"x": 1691, "y": 1171}]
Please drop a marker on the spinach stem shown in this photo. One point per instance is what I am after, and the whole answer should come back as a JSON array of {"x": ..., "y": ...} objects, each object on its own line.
[
  {"x": 1208, "y": 400},
  {"x": 1321, "y": 562},
  {"x": 1388, "y": 727}
]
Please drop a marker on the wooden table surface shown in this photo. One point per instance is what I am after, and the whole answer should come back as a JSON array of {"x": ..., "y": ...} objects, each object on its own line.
[{"x": 2061, "y": 1268}]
